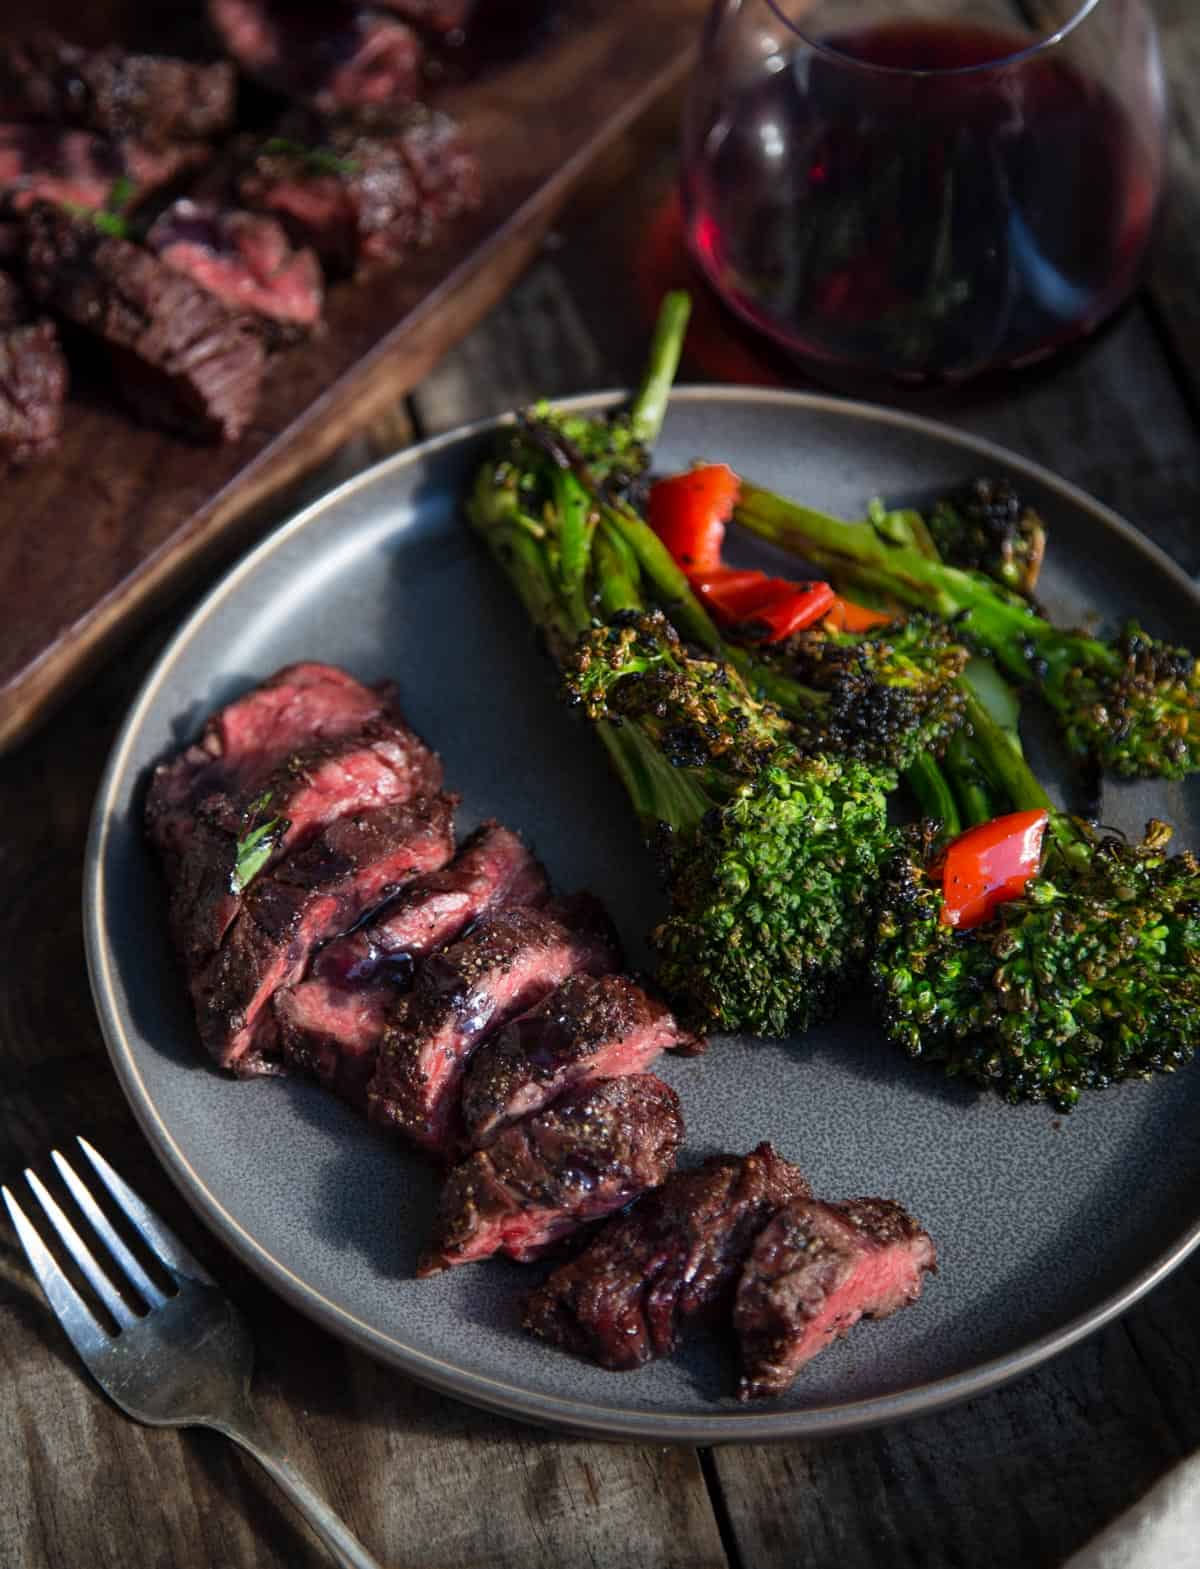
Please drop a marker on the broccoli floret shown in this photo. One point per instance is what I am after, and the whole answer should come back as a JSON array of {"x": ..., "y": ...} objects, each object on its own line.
[
  {"x": 1132, "y": 706},
  {"x": 987, "y": 528},
  {"x": 1091, "y": 977},
  {"x": 771, "y": 859},
  {"x": 887, "y": 696}
]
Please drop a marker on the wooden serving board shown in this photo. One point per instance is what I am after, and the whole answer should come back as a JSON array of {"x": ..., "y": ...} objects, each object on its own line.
[{"x": 120, "y": 515}]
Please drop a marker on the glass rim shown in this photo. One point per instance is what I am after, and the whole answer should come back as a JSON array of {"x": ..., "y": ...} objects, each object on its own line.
[{"x": 1001, "y": 62}]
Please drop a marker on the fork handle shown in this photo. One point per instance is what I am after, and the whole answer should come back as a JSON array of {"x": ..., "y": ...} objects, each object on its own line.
[{"x": 256, "y": 1439}]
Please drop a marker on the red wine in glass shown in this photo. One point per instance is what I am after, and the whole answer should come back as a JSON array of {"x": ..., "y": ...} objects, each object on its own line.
[{"x": 894, "y": 202}]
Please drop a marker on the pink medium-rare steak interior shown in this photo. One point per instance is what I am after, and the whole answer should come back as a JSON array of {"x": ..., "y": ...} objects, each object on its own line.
[
  {"x": 507, "y": 964},
  {"x": 331, "y": 1024},
  {"x": 676, "y": 1256},
  {"x": 595, "y": 1149},
  {"x": 353, "y": 864},
  {"x": 588, "y": 1028},
  {"x": 814, "y": 1271}
]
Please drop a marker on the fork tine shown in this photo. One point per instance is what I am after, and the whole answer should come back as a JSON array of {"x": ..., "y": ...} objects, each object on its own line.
[
  {"x": 84, "y": 1333},
  {"x": 152, "y": 1295},
  {"x": 79, "y": 1251},
  {"x": 156, "y": 1232}
]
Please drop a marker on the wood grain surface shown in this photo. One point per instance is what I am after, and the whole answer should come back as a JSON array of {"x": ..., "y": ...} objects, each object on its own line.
[
  {"x": 1020, "y": 1477},
  {"x": 123, "y": 513}
]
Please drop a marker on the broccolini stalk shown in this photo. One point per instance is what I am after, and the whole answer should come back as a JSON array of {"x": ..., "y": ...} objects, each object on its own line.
[{"x": 1132, "y": 705}]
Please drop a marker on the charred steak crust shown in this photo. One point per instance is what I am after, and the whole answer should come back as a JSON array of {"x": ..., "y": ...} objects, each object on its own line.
[
  {"x": 595, "y": 1149},
  {"x": 625, "y": 1299},
  {"x": 180, "y": 358},
  {"x": 354, "y": 864},
  {"x": 369, "y": 191},
  {"x": 589, "y": 1028},
  {"x": 60, "y": 165},
  {"x": 33, "y": 387},
  {"x": 332, "y": 1023},
  {"x": 246, "y": 261},
  {"x": 332, "y": 57},
  {"x": 509, "y": 962},
  {"x": 297, "y": 707},
  {"x": 813, "y": 1272},
  {"x": 156, "y": 97}
]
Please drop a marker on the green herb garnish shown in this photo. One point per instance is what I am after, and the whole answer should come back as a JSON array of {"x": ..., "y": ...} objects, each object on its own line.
[
  {"x": 320, "y": 160},
  {"x": 108, "y": 219},
  {"x": 256, "y": 847}
]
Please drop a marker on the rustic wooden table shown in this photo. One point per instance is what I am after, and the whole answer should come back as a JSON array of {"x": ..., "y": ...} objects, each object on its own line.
[{"x": 1020, "y": 1477}]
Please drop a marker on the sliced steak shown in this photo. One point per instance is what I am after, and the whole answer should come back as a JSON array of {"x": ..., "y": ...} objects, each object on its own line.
[
  {"x": 676, "y": 1256},
  {"x": 14, "y": 303},
  {"x": 353, "y": 865},
  {"x": 590, "y": 1028},
  {"x": 153, "y": 97},
  {"x": 33, "y": 387},
  {"x": 297, "y": 707},
  {"x": 179, "y": 358},
  {"x": 462, "y": 995},
  {"x": 50, "y": 163},
  {"x": 332, "y": 1023},
  {"x": 330, "y": 56},
  {"x": 814, "y": 1271},
  {"x": 361, "y": 196},
  {"x": 382, "y": 764},
  {"x": 439, "y": 16},
  {"x": 246, "y": 260},
  {"x": 594, "y": 1150}
]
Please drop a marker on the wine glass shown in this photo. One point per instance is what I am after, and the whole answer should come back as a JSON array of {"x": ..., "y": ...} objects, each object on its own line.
[{"x": 925, "y": 190}]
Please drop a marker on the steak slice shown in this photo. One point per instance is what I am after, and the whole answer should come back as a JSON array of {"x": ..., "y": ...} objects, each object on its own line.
[
  {"x": 676, "y": 1256},
  {"x": 814, "y": 1271},
  {"x": 54, "y": 164},
  {"x": 439, "y": 16},
  {"x": 462, "y": 995},
  {"x": 246, "y": 261},
  {"x": 33, "y": 387},
  {"x": 361, "y": 194},
  {"x": 590, "y": 1153},
  {"x": 154, "y": 97},
  {"x": 332, "y": 57},
  {"x": 298, "y": 706},
  {"x": 179, "y": 358},
  {"x": 383, "y": 764},
  {"x": 332, "y": 1023},
  {"x": 590, "y": 1028},
  {"x": 353, "y": 865},
  {"x": 14, "y": 303}
]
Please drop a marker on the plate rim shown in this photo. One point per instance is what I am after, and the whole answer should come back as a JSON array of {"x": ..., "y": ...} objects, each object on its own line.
[{"x": 570, "y": 1414}]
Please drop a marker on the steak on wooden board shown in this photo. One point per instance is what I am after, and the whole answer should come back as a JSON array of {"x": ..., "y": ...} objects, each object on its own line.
[
  {"x": 589, "y": 1028},
  {"x": 814, "y": 1271},
  {"x": 33, "y": 387},
  {"x": 595, "y": 1149},
  {"x": 511, "y": 960},
  {"x": 178, "y": 357},
  {"x": 56, "y": 164},
  {"x": 351, "y": 866},
  {"x": 154, "y": 97},
  {"x": 331, "y": 1024},
  {"x": 676, "y": 1256},
  {"x": 363, "y": 194},
  {"x": 246, "y": 260},
  {"x": 330, "y": 56}
]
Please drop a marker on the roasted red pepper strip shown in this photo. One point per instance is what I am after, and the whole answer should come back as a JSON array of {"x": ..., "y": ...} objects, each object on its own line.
[
  {"x": 791, "y": 608},
  {"x": 990, "y": 864},
  {"x": 846, "y": 616},
  {"x": 689, "y": 513}
]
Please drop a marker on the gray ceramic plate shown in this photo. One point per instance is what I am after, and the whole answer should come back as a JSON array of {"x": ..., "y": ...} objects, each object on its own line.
[{"x": 1046, "y": 1227}]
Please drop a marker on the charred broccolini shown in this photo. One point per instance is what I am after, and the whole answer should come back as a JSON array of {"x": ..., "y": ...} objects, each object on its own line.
[
  {"x": 982, "y": 527},
  {"x": 770, "y": 856},
  {"x": 1092, "y": 976},
  {"x": 1131, "y": 705}
]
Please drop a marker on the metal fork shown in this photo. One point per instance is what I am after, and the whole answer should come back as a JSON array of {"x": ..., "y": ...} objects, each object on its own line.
[{"x": 184, "y": 1363}]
